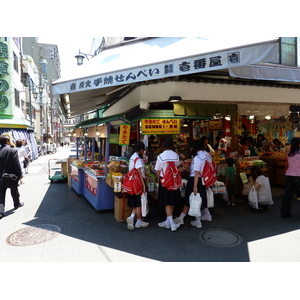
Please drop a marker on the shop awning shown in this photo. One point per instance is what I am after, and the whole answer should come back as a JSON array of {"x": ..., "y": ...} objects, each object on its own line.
[
  {"x": 165, "y": 114},
  {"x": 267, "y": 72},
  {"x": 114, "y": 120},
  {"x": 15, "y": 123},
  {"x": 114, "y": 72},
  {"x": 204, "y": 109}
]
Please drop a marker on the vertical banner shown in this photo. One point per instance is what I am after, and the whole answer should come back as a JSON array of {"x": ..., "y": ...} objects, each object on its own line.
[{"x": 124, "y": 134}]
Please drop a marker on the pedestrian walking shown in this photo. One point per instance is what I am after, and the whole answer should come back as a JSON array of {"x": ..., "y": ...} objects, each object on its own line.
[
  {"x": 28, "y": 158},
  {"x": 292, "y": 177},
  {"x": 22, "y": 155},
  {"x": 11, "y": 169},
  {"x": 134, "y": 201},
  {"x": 167, "y": 197},
  {"x": 195, "y": 185}
]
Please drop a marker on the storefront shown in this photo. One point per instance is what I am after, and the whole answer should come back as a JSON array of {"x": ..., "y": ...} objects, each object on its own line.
[{"x": 198, "y": 90}]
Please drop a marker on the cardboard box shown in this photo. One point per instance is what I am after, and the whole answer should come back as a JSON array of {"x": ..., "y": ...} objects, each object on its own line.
[
  {"x": 69, "y": 181},
  {"x": 109, "y": 181},
  {"x": 118, "y": 208},
  {"x": 64, "y": 168}
]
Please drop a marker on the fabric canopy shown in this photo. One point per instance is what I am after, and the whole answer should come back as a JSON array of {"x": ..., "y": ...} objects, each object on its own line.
[
  {"x": 204, "y": 109},
  {"x": 114, "y": 72},
  {"x": 262, "y": 110}
]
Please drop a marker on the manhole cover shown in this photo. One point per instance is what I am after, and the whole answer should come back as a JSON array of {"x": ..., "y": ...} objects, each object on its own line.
[
  {"x": 33, "y": 235},
  {"x": 220, "y": 238}
]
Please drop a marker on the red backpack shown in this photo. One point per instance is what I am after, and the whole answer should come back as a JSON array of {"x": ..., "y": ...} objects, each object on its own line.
[
  {"x": 209, "y": 174},
  {"x": 132, "y": 183},
  {"x": 172, "y": 179}
]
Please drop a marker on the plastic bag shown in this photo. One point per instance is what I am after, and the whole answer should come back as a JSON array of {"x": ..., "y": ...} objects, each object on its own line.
[
  {"x": 145, "y": 205},
  {"x": 195, "y": 205},
  {"x": 252, "y": 198},
  {"x": 210, "y": 197}
]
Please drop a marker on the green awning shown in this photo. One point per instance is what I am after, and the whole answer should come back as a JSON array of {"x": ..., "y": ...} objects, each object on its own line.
[
  {"x": 166, "y": 114},
  {"x": 96, "y": 121},
  {"x": 204, "y": 109}
]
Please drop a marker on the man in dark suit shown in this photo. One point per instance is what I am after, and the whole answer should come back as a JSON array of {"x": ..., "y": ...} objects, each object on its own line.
[{"x": 9, "y": 162}]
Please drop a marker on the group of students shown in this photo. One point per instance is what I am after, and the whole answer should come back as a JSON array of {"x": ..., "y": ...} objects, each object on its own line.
[{"x": 170, "y": 198}]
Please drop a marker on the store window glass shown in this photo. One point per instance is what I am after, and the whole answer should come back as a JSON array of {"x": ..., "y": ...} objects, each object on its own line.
[
  {"x": 16, "y": 63},
  {"x": 17, "y": 98}
]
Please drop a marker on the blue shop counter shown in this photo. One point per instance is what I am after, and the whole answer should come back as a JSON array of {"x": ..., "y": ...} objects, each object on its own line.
[
  {"x": 77, "y": 179},
  {"x": 97, "y": 192}
]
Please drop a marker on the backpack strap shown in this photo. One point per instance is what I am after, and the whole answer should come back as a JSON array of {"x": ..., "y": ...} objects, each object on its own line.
[{"x": 135, "y": 161}]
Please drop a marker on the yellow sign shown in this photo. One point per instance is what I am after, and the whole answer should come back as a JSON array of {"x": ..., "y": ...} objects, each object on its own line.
[
  {"x": 12, "y": 126},
  {"x": 124, "y": 134},
  {"x": 161, "y": 126}
]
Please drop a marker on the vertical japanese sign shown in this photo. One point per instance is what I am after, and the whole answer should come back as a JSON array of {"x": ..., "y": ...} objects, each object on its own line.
[
  {"x": 4, "y": 86},
  {"x": 124, "y": 134}
]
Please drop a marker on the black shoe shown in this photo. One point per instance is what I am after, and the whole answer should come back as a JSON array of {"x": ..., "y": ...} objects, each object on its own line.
[
  {"x": 20, "y": 205},
  {"x": 286, "y": 216},
  {"x": 1, "y": 215}
]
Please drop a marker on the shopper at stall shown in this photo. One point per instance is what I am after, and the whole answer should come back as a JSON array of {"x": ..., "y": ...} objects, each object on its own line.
[
  {"x": 216, "y": 147},
  {"x": 134, "y": 201},
  {"x": 292, "y": 177},
  {"x": 230, "y": 186},
  {"x": 277, "y": 145},
  {"x": 194, "y": 185},
  {"x": 259, "y": 142},
  {"x": 262, "y": 185},
  {"x": 166, "y": 197},
  {"x": 208, "y": 148},
  {"x": 249, "y": 146}
]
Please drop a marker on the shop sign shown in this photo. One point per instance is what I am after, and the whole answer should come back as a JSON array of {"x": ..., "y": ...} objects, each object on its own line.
[
  {"x": 113, "y": 139},
  {"x": 124, "y": 136},
  {"x": 216, "y": 124},
  {"x": 176, "y": 67},
  {"x": 12, "y": 126},
  {"x": 160, "y": 126}
]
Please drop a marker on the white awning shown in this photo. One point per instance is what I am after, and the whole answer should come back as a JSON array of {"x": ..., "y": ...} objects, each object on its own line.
[
  {"x": 112, "y": 73},
  {"x": 267, "y": 72}
]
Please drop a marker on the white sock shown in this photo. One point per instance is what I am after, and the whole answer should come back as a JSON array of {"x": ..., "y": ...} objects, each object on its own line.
[
  {"x": 170, "y": 220},
  {"x": 182, "y": 215},
  {"x": 132, "y": 216},
  {"x": 138, "y": 221},
  {"x": 198, "y": 219}
]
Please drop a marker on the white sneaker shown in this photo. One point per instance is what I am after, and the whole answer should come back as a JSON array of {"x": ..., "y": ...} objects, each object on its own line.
[
  {"x": 179, "y": 221},
  {"x": 174, "y": 226},
  {"x": 130, "y": 223},
  {"x": 196, "y": 224},
  {"x": 164, "y": 224},
  {"x": 205, "y": 215},
  {"x": 142, "y": 224}
]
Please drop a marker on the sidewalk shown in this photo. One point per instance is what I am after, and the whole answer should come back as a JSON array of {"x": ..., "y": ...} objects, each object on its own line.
[{"x": 74, "y": 232}]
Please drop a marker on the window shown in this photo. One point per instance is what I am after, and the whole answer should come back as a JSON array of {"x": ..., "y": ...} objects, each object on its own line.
[
  {"x": 16, "y": 63},
  {"x": 288, "y": 51},
  {"x": 17, "y": 98}
]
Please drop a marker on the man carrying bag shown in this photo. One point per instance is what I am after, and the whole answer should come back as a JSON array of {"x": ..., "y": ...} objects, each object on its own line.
[{"x": 10, "y": 174}]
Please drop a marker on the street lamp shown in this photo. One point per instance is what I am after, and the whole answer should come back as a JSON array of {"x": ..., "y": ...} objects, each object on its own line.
[{"x": 81, "y": 56}]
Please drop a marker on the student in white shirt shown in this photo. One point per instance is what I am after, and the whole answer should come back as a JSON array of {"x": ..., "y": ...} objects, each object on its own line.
[
  {"x": 134, "y": 201},
  {"x": 166, "y": 197},
  {"x": 195, "y": 185}
]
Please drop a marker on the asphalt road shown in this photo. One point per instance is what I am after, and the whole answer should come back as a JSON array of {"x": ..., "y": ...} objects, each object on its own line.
[{"x": 81, "y": 234}]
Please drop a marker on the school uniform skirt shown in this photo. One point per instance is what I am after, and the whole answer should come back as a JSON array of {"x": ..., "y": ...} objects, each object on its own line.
[
  {"x": 134, "y": 200},
  {"x": 201, "y": 191},
  {"x": 166, "y": 197}
]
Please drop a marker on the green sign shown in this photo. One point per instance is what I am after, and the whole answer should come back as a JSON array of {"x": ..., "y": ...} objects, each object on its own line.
[
  {"x": 3, "y": 50},
  {"x": 113, "y": 139}
]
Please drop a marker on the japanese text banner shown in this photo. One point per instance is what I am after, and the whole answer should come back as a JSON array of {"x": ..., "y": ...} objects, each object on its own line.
[
  {"x": 124, "y": 134},
  {"x": 161, "y": 126}
]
